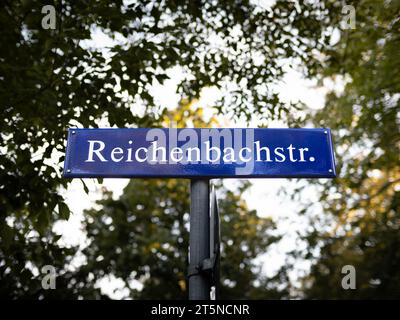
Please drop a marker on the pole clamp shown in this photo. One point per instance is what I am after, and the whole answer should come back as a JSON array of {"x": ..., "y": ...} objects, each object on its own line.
[{"x": 206, "y": 266}]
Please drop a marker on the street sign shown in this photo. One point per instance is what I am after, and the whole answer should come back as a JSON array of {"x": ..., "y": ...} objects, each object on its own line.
[{"x": 199, "y": 153}]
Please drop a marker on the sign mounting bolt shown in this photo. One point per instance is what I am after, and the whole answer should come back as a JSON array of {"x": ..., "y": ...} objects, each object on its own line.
[
  {"x": 73, "y": 132},
  {"x": 69, "y": 170},
  {"x": 330, "y": 170},
  {"x": 326, "y": 132}
]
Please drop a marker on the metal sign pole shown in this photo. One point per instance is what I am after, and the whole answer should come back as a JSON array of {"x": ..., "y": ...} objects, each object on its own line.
[
  {"x": 199, "y": 282},
  {"x": 215, "y": 239}
]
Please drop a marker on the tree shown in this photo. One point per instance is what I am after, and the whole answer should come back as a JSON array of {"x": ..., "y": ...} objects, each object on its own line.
[
  {"x": 363, "y": 203},
  {"x": 52, "y": 79},
  {"x": 143, "y": 236}
]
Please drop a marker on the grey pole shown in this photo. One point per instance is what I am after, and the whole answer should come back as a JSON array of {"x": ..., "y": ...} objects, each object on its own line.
[{"x": 199, "y": 284}]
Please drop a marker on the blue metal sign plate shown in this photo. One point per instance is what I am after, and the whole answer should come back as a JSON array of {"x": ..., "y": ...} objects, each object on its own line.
[{"x": 200, "y": 152}]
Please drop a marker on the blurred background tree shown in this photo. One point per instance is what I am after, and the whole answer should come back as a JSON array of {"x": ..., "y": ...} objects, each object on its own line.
[
  {"x": 142, "y": 238},
  {"x": 361, "y": 221}
]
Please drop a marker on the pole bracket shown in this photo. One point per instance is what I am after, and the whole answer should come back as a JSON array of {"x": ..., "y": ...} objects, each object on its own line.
[{"x": 207, "y": 266}]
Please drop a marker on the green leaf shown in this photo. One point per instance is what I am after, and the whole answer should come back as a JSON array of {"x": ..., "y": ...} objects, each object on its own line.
[
  {"x": 6, "y": 234},
  {"x": 85, "y": 186},
  {"x": 63, "y": 210}
]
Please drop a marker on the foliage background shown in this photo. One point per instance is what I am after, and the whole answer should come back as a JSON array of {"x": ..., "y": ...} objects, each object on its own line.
[{"x": 54, "y": 79}]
